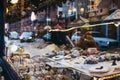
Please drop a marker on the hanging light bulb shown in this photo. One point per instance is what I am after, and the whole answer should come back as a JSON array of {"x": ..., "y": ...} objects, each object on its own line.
[{"x": 14, "y": 1}]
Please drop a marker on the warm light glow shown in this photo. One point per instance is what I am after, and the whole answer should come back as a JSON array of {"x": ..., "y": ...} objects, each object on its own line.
[
  {"x": 33, "y": 16},
  {"x": 69, "y": 11},
  {"x": 82, "y": 10},
  {"x": 74, "y": 10},
  {"x": 14, "y": 1},
  {"x": 7, "y": 10}
]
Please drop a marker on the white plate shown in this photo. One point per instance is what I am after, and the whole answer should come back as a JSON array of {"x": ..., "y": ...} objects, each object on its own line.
[
  {"x": 99, "y": 69},
  {"x": 58, "y": 57}
]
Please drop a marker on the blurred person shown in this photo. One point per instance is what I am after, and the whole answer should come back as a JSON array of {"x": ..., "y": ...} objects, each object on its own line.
[
  {"x": 86, "y": 41},
  {"x": 58, "y": 37}
]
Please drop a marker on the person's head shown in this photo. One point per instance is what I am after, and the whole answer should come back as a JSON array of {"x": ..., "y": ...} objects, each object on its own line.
[{"x": 88, "y": 35}]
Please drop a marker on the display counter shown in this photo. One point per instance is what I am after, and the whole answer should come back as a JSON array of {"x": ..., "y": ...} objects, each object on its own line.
[{"x": 97, "y": 70}]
